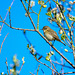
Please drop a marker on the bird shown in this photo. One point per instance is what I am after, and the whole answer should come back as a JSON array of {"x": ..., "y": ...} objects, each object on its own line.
[{"x": 50, "y": 34}]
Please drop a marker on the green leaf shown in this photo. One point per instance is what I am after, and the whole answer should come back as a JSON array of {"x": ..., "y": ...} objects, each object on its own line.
[
  {"x": 66, "y": 50},
  {"x": 62, "y": 9},
  {"x": 35, "y": 55},
  {"x": 52, "y": 52},
  {"x": 63, "y": 0},
  {"x": 49, "y": 54},
  {"x": 63, "y": 37},
  {"x": 59, "y": 18},
  {"x": 41, "y": 2},
  {"x": 72, "y": 18},
  {"x": 15, "y": 60},
  {"x": 24, "y": 31},
  {"x": 26, "y": 1},
  {"x": 50, "y": 42},
  {"x": 27, "y": 45},
  {"x": 49, "y": 13},
  {"x": 47, "y": 58}
]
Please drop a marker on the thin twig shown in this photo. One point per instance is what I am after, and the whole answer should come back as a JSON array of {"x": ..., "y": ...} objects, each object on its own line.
[
  {"x": 68, "y": 73},
  {"x": 7, "y": 66},
  {"x": 18, "y": 28},
  {"x": 1, "y": 18},
  {"x": 38, "y": 18},
  {"x": 3, "y": 42},
  {"x": 45, "y": 64},
  {"x": 38, "y": 69},
  {"x": 20, "y": 68},
  {"x": 46, "y": 2},
  {"x": 28, "y": 15},
  {"x": 9, "y": 16},
  {"x": 53, "y": 65},
  {"x": 62, "y": 64},
  {"x": 33, "y": 11},
  {"x": 29, "y": 5},
  {"x": 31, "y": 73},
  {"x": 6, "y": 15}
]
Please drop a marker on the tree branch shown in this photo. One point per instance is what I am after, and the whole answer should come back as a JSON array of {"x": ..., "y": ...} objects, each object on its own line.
[
  {"x": 55, "y": 49},
  {"x": 17, "y": 28}
]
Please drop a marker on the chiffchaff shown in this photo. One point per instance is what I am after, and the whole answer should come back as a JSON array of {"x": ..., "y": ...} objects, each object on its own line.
[{"x": 51, "y": 34}]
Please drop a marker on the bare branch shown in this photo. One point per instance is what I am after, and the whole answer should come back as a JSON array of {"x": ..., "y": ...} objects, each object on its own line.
[
  {"x": 38, "y": 69},
  {"x": 46, "y": 65},
  {"x": 7, "y": 66},
  {"x": 29, "y": 16},
  {"x": 18, "y": 28},
  {"x": 55, "y": 49},
  {"x": 68, "y": 73}
]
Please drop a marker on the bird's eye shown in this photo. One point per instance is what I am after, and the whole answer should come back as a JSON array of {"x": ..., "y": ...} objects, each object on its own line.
[{"x": 45, "y": 28}]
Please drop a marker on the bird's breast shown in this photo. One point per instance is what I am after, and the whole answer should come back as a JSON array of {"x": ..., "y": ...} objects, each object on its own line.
[{"x": 49, "y": 36}]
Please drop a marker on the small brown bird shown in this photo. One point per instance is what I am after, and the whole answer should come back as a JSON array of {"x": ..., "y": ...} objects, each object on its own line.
[{"x": 51, "y": 34}]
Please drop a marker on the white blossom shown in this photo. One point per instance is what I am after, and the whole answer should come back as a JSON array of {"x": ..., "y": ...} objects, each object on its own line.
[{"x": 32, "y": 3}]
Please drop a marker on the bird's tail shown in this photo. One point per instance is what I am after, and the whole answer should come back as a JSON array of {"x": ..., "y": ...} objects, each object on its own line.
[{"x": 62, "y": 42}]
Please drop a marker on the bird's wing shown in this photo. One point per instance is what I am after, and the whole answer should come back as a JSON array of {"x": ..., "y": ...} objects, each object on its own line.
[{"x": 52, "y": 32}]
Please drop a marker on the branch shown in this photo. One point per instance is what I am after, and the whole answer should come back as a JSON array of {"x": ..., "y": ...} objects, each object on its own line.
[
  {"x": 53, "y": 65},
  {"x": 9, "y": 16},
  {"x": 28, "y": 15},
  {"x": 31, "y": 73},
  {"x": 45, "y": 65},
  {"x": 20, "y": 68},
  {"x": 55, "y": 49},
  {"x": 1, "y": 18},
  {"x": 62, "y": 64},
  {"x": 38, "y": 69},
  {"x": 3, "y": 42},
  {"x": 6, "y": 15},
  {"x": 46, "y": 39},
  {"x": 7, "y": 66},
  {"x": 68, "y": 73},
  {"x": 18, "y": 28}
]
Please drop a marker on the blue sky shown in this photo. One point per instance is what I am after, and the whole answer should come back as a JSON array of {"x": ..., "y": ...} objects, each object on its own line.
[{"x": 16, "y": 43}]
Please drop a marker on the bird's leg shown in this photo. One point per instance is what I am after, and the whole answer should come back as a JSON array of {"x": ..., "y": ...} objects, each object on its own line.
[{"x": 53, "y": 42}]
